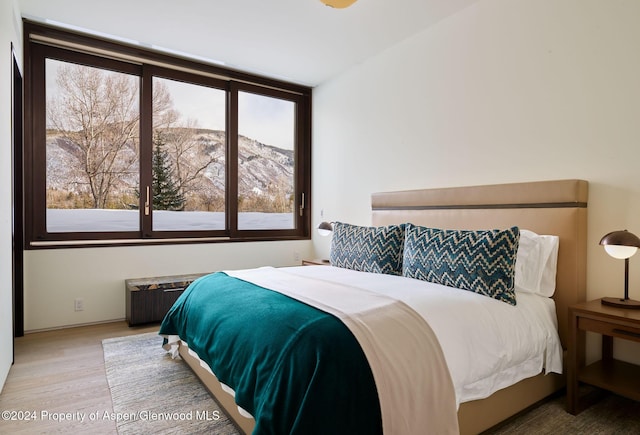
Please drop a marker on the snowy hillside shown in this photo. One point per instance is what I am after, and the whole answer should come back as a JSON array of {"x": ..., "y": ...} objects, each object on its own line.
[{"x": 262, "y": 169}]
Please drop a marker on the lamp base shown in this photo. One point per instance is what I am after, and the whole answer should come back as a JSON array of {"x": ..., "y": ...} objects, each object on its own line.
[{"x": 621, "y": 303}]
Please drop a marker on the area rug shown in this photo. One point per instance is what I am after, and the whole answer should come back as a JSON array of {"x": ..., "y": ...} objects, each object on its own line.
[
  {"x": 153, "y": 393},
  {"x": 609, "y": 415}
]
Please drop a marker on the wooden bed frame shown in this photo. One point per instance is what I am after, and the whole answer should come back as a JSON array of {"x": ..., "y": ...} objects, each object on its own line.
[{"x": 546, "y": 207}]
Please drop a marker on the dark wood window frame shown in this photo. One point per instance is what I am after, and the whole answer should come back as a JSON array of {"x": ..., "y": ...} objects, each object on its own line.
[{"x": 44, "y": 42}]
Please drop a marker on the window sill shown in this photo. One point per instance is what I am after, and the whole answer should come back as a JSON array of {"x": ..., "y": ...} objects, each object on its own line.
[{"x": 59, "y": 244}]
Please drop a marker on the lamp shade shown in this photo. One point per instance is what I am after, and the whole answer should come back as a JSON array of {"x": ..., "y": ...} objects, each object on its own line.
[
  {"x": 620, "y": 244},
  {"x": 325, "y": 228},
  {"x": 338, "y": 4}
]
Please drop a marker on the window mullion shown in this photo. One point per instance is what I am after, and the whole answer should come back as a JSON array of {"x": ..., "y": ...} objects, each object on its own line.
[
  {"x": 232, "y": 160},
  {"x": 303, "y": 169},
  {"x": 146, "y": 150}
]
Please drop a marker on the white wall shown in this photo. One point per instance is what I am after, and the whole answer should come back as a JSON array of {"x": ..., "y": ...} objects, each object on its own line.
[
  {"x": 503, "y": 91},
  {"x": 55, "y": 278},
  {"x": 9, "y": 33}
]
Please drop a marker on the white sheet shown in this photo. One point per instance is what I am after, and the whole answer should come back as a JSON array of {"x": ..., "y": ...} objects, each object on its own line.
[{"x": 488, "y": 345}]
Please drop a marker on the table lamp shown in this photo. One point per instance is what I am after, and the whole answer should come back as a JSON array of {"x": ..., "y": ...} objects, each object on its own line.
[
  {"x": 325, "y": 228},
  {"x": 621, "y": 244}
]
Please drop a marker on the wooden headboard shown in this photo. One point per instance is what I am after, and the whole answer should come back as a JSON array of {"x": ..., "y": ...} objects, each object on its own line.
[{"x": 545, "y": 207}]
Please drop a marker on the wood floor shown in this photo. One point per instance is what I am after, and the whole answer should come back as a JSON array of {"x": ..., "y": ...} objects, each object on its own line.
[{"x": 57, "y": 378}]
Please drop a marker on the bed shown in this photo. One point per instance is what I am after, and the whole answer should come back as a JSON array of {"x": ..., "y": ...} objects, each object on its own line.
[{"x": 548, "y": 207}]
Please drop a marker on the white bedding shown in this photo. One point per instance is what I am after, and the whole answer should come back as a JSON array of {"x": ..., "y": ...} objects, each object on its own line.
[{"x": 487, "y": 344}]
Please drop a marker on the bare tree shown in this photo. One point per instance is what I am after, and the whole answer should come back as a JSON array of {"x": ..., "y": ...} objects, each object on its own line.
[
  {"x": 97, "y": 114},
  {"x": 95, "y": 117},
  {"x": 185, "y": 150}
]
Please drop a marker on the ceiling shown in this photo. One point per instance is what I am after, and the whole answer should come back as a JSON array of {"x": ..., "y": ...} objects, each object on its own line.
[{"x": 301, "y": 41}]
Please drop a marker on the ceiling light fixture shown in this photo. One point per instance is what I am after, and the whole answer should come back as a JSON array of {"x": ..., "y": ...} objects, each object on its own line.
[{"x": 338, "y": 4}]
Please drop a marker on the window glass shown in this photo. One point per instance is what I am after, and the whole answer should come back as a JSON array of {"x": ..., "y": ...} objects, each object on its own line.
[
  {"x": 92, "y": 149},
  {"x": 266, "y": 162},
  {"x": 188, "y": 163}
]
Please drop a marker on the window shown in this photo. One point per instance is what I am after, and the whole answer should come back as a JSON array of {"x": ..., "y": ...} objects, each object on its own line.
[
  {"x": 188, "y": 157},
  {"x": 128, "y": 146},
  {"x": 266, "y": 192},
  {"x": 91, "y": 148}
]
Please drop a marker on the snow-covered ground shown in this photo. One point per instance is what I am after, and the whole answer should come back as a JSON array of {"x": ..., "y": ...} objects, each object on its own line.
[{"x": 85, "y": 220}]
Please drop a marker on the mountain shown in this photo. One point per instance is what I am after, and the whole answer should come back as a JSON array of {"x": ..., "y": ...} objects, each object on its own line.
[{"x": 198, "y": 155}]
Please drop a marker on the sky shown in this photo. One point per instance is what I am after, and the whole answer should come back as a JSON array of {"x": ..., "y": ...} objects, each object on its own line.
[{"x": 267, "y": 120}]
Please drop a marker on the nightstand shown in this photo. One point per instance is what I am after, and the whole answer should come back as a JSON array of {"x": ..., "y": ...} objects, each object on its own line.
[
  {"x": 315, "y": 262},
  {"x": 608, "y": 373}
]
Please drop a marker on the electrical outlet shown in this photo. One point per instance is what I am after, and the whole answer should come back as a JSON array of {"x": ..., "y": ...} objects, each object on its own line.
[
  {"x": 79, "y": 304},
  {"x": 296, "y": 256}
]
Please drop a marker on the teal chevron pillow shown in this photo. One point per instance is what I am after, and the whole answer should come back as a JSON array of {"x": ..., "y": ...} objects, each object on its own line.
[
  {"x": 368, "y": 249},
  {"x": 480, "y": 261}
]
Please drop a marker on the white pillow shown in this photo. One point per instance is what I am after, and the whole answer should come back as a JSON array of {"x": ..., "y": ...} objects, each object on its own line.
[{"x": 536, "y": 263}]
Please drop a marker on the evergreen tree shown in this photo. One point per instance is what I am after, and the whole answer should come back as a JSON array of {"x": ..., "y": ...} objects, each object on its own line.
[{"x": 166, "y": 195}]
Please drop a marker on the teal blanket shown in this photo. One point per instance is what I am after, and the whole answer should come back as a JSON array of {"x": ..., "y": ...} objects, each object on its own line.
[{"x": 296, "y": 369}]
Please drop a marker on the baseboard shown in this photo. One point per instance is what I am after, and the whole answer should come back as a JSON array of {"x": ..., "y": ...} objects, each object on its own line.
[{"x": 75, "y": 325}]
